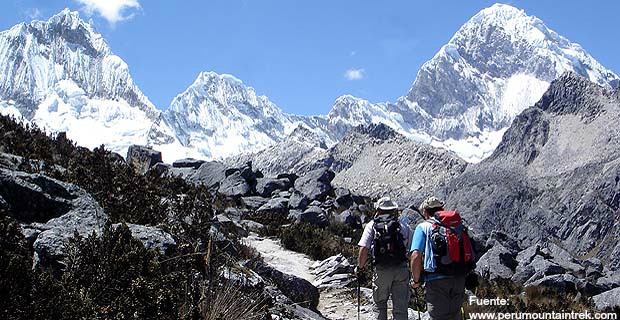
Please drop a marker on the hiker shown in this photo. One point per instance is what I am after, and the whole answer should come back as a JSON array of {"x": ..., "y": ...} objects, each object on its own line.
[
  {"x": 388, "y": 239},
  {"x": 441, "y": 257}
]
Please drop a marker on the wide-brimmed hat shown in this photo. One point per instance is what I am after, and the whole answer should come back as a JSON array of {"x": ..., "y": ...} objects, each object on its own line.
[
  {"x": 386, "y": 204},
  {"x": 431, "y": 203}
]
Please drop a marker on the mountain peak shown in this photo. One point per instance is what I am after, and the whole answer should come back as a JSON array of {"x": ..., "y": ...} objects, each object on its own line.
[
  {"x": 501, "y": 11},
  {"x": 68, "y": 18},
  {"x": 379, "y": 131}
]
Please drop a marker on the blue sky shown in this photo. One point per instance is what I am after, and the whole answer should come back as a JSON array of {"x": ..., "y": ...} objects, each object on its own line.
[{"x": 302, "y": 54}]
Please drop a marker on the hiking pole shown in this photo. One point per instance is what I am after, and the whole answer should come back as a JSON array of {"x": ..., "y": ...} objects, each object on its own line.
[
  {"x": 358, "y": 296},
  {"x": 414, "y": 208}
]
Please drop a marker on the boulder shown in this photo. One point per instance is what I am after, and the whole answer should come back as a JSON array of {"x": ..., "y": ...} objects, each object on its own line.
[
  {"x": 251, "y": 226},
  {"x": 299, "y": 290},
  {"x": 142, "y": 158},
  {"x": 234, "y": 214},
  {"x": 497, "y": 262},
  {"x": 151, "y": 237},
  {"x": 526, "y": 256},
  {"x": 333, "y": 272},
  {"x": 315, "y": 216},
  {"x": 315, "y": 184},
  {"x": 188, "y": 163},
  {"x": 348, "y": 218},
  {"x": 343, "y": 198},
  {"x": 266, "y": 186},
  {"x": 537, "y": 268},
  {"x": 609, "y": 281},
  {"x": 210, "y": 173},
  {"x": 235, "y": 185},
  {"x": 53, "y": 213},
  {"x": 253, "y": 202},
  {"x": 276, "y": 208},
  {"x": 160, "y": 168},
  {"x": 290, "y": 176},
  {"x": 297, "y": 200},
  {"x": 562, "y": 257},
  {"x": 559, "y": 282},
  {"x": 607, "y": 299}
]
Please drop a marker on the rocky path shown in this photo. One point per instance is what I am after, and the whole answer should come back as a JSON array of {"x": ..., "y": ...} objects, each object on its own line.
[{"x": 335, "y": 303}]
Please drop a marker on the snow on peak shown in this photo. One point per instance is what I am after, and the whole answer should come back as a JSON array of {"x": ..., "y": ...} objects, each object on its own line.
[{"x": 62, "y": 75}]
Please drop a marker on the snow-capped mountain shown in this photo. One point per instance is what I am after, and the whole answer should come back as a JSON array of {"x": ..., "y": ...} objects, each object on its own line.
[
  {"x": 497, "y": 64},
  {"x": 61, "y": 75},
  {"x": 219, "y": 116}
]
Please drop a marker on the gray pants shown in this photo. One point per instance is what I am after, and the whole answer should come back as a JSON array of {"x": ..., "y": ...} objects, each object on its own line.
[
  {"x": 392, "y": 281},
  {"x": 444, "y": 298}
]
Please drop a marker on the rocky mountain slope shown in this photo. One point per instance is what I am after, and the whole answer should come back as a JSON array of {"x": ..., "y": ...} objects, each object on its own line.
[{"x": 554, "y": 177}]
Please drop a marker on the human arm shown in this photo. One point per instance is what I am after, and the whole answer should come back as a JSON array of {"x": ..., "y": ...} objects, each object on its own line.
[
  {"x": 415, "y": 267},
  {"x": 418, "y": 245}
]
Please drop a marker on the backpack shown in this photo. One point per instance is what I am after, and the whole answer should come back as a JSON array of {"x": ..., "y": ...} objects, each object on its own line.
[
  {"x": 452, "y": 248},
  {"x": 389, "y": 246}
]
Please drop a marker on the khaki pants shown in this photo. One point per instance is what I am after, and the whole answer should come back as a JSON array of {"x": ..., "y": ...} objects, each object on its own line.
[
  {"x": 394, "y": 281},
  {"x": 444, "y": 298}
]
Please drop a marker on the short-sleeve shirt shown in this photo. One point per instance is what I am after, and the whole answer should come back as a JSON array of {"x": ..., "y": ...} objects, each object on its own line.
[
  {"x": 422, "y": 242},
  {"x": 368, "y": 236}
]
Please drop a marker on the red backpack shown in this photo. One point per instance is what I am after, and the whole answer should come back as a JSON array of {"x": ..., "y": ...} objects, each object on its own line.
[{"x": 452, "y": 248}]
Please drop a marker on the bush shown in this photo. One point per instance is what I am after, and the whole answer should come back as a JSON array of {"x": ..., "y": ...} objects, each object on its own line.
[{"x": 317, "y": 243}]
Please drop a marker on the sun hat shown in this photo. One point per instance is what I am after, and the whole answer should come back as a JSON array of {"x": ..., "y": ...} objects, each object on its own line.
[{"x": 386, "y": 204}]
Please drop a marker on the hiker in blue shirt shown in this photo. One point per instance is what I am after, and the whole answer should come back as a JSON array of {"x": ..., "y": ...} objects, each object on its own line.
[{"x": 444, "y": 292}]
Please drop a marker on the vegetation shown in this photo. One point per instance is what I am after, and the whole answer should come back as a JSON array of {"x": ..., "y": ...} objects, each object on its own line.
[{"x": 112, "y": 275}]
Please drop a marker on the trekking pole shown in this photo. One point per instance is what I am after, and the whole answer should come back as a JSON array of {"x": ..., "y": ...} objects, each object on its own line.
[
  {"x": 358, "y": 296},
  {"x": 414, "y": 208}
]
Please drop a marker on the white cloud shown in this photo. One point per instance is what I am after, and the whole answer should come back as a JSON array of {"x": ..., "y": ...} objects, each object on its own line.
[
  {"x": 33, "y": 13},
  {"x": 354, "y": 74},
  {"x": 111, "y": 10}
]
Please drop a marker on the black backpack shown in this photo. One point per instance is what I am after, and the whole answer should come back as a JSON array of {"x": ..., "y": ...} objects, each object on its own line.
[{"x": 389, "y": 246}]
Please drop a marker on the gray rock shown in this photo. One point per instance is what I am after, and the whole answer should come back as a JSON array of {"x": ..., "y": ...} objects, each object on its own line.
[
  {"x": 254, "y": 202},
  {"x": 298, "y": 200},
  {"x": 290, "y": 176},
  {"x": 297, "y": 289},
  {"x": 250, "y": 225},
  {"x": 275, "y": 208},
  {"x": 235, "y": 185},
  {"x": 344, "y": 199},
  {"x": 608, "y": 299},
  {"x": 332, "y": 273},
  {"x": 609, "y": 281},
  {"x": 315, "y": 216},
  {"x": 536, "y": 269},
  {"x": 160, "y": 169},
  {"x": 188, "y": 163},
  {"x": 234, "y": 214},
  {"x": 210, "y": 173},
  {"x": 284, "y": 194},
  {"x": 316, "y": 184},
  {"x": 152, "y": 237},
  {"x": 558, "y": 282},
  {"x": 54, "y": 209},
  {"x": 348, "y": 218},
  {"x": 142, "y": 158},
  {"x": 497, "y": 262},
  {"x": 526, "y": 256},
  {"x": 266, "y": 186}
]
